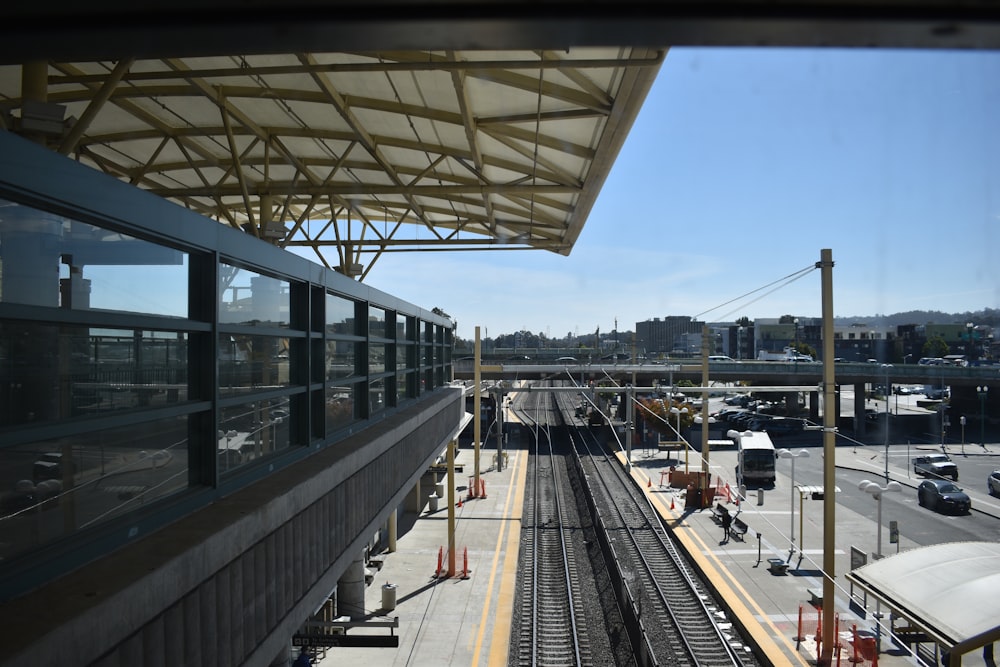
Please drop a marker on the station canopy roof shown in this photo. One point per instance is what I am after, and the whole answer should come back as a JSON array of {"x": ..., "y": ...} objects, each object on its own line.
[
  {"x": 948, "y": 590},
  {"x": 354, "y": 154},
  {"x": 354, "y": 128}
]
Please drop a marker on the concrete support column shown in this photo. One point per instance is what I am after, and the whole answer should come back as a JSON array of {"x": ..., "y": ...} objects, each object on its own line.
[
  {"x": 792, "y": 402},
  {"x": 351, "y": 591},
  {"x": 814, "y": 407},
  {"x": 860, "y": 401},
  {"x": 392, "y": 530},
  {"x": 415, "y": 499}
]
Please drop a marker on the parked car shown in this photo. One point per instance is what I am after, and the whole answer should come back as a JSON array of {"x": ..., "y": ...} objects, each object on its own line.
[
  {"x": 937, "y": 466},
  {"x": 993, "y": 483},
  {"x": 942, "y": 495},
  {"x": 936, "y": 394}
]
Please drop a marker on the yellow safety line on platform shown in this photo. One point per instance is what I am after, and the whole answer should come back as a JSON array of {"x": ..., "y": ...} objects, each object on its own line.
[
  {"x": 501, "y": 627},
  {"x": 765, "y": 641}
]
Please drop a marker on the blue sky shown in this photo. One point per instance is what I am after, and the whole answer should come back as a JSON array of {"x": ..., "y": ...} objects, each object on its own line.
[{"x": 741, "y": 166}]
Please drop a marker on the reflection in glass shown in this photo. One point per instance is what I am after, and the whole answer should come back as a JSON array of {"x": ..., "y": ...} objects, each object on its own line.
[
  {"x": 50, "y": 371},
  {"x": 376, "y": 322},
  {"x": 402, "y": 356},
  {"x": 376, "y": 358},
  {"x": 339, "y": 407},
  {"x": 376, "y": 395},
  {"x": 250, "y": 298},
  {"x": 50, "y": 260},
  {"x": 252, "y": 362},
  {"x": 250, "y": 431},
  {"x": 339, "y": 315},
  {"x": 340, "y": 359},
  {"x": 49, "y": 489}
]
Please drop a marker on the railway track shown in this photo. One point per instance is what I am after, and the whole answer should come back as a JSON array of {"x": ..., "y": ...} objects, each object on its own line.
[
  {"x": 552, "y": 621},
  {"x": 661, "y": 604},
  {"x": 681, "y": 624}
]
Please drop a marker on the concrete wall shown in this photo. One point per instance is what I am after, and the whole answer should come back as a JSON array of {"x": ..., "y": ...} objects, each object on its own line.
[{"x": 230, "y": 584}]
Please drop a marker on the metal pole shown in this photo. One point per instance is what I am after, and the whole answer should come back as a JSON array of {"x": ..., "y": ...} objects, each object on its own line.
[
  {"x": 792, "y": 495},
  {"x": 629, "y": 416},
  {"x": 886, "y": 388},
  {"x": 499, "y": 420},
  {"x": 829, "y": 457},
  {"x": 476, "y": 403},
  {"x": 705, "y": 352}
]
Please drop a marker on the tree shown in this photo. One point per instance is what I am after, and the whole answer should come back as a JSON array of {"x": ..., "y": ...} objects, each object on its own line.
[
  {"x": 656, "y": 412},
  {"x": 935, "y": 347}
]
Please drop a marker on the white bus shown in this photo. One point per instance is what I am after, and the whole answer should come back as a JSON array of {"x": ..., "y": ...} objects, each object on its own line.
[{"x": 755, "y": 464}]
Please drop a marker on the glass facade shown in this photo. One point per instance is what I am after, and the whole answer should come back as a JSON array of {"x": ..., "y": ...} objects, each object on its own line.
[{"x": 125, "y": 386}]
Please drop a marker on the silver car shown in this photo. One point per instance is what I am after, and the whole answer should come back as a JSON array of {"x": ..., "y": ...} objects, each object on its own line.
[{"x": 993, "y": 483}]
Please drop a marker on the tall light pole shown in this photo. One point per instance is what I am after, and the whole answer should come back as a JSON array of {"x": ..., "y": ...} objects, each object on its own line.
[
  {"x": 982, "y": 391},
  {"x": 875, "y": 490},
  {"x": 681, "y": 411},
  {"x": 886, "y": 367},
  {"x": 788, "y": 454}
]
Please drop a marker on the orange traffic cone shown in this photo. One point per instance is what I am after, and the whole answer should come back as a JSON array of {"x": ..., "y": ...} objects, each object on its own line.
[
  {"x": 671, "y": 502},
  {"x": 649, "y": 483},
  {"x": 460, "y": 501}
]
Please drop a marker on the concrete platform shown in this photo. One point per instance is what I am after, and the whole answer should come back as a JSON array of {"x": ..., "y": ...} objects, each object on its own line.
[
  {"x": 453, "y": 620},
  {"x": 464, "y": 618}
]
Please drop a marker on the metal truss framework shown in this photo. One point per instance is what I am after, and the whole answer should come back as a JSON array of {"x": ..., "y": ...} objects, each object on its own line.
[{"x": 352, "y": 154}]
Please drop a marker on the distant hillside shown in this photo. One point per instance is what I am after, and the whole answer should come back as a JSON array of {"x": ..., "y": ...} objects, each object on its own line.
[{"x": 990, "y": 316}]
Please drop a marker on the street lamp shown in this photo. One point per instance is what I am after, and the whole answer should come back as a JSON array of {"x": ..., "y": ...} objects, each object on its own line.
[
  {"x": 788, "y": 454},
  {"x": 886, "y": 367},
  {"x": 875, "y": 490},
  {"x": 982, "y": 392},
  {"x": 905, "y": 357},
  {"x": 681, "y": 411}
]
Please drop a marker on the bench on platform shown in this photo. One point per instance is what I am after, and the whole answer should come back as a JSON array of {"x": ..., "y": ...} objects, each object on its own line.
[
  {"x": 777, "y": 565},
  {"x": 738, "y": 529},
  {"x": 718, "y": 512},
  {"x": 815, "y": 597}
]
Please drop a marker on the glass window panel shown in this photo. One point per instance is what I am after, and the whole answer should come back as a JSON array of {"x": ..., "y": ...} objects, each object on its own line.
[
  {"x": 50, "y": 260},
  {"x": 340, "y": 407},
  {"x": 250, "y": 431},
  {"x": 376, "y": 322},
  {"x": 50, "y": 372},
  {"x": 400, "y": 328},
  {"x": 252, "y": 362},
  {"x": 49, "y": 489},
  {"x": 376, "y": 358},
  {"x": 376, "y": 396},
  {"x": 405, "y": 385},
  {"x": 341, "y": 359},
  {"x": 340, "y": 316},
  {"x": 403, "y": 356},
  {"x": 249, "y": 298}
]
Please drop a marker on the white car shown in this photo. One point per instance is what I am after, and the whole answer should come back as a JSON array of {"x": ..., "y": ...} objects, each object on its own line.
[{"x": 993, "y": 483}]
